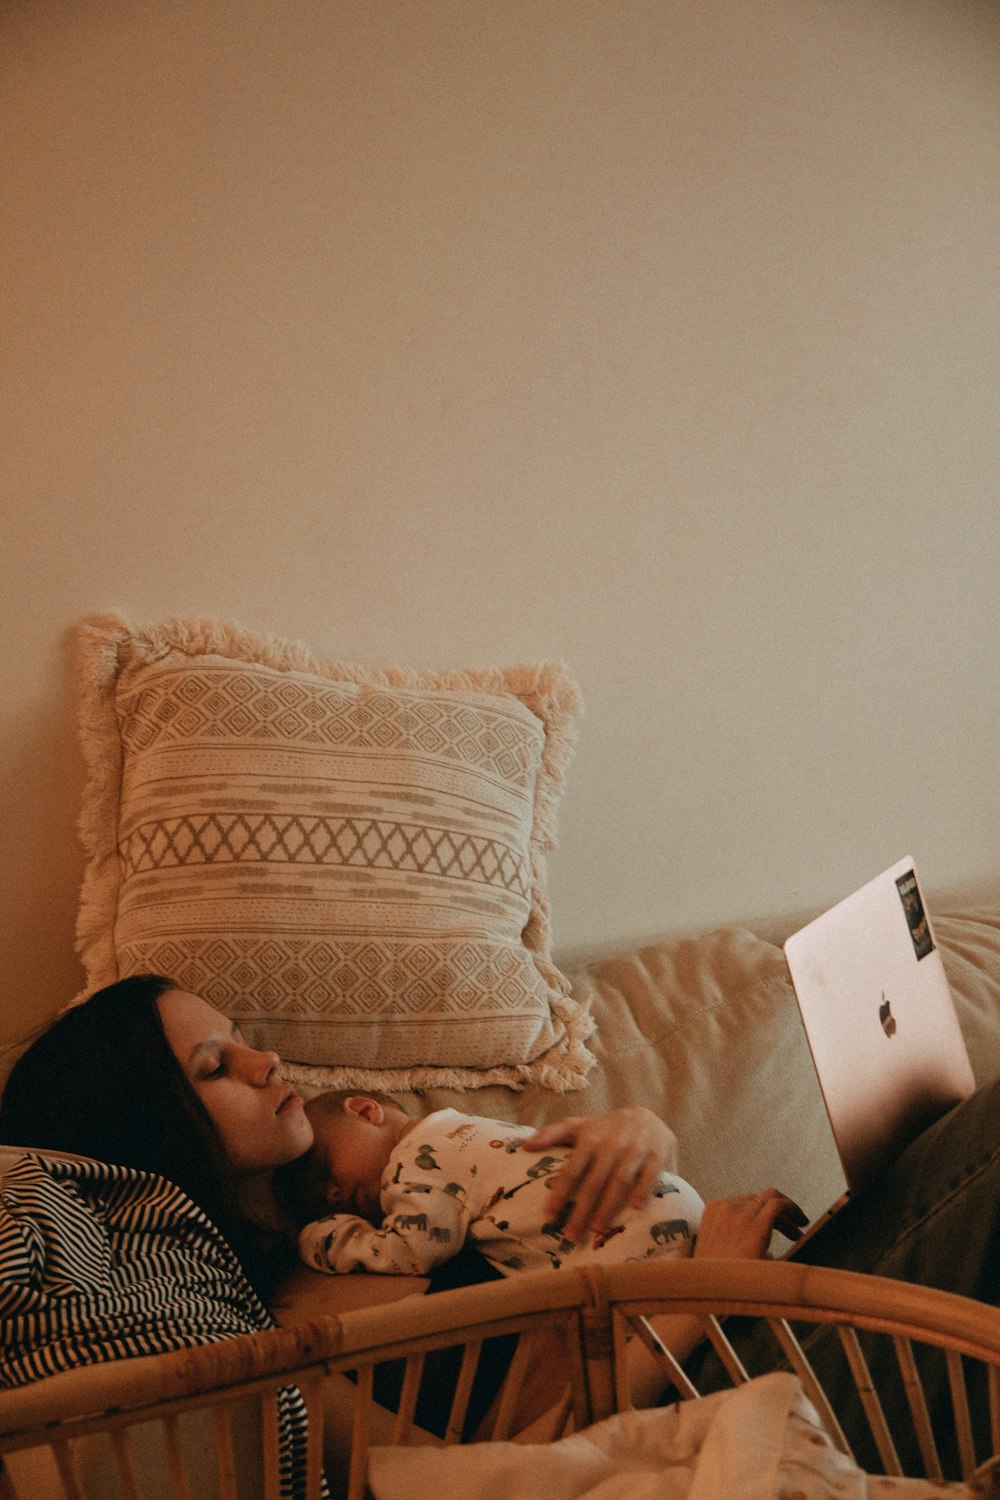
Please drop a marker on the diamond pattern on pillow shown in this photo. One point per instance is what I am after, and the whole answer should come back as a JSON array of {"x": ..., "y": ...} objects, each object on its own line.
[{"x": 350, "y": 863}]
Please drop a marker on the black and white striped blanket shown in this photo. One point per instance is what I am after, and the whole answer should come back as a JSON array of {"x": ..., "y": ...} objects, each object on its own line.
[{"x": 100, "y": 1263}]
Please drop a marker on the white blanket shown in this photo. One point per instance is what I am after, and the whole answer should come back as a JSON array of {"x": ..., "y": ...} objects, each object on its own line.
[{"x": 760, "y": 1441}]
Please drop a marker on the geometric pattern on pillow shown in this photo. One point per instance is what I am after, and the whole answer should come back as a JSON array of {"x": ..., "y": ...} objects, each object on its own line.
[{"x": 350, "y": 863}]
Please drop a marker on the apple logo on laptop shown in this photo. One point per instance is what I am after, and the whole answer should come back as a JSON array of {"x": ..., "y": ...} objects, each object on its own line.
[{"x": 886, "y": 1017}]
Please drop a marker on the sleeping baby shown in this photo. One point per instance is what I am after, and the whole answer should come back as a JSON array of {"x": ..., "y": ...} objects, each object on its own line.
[{"x": 383, "y": 1192}]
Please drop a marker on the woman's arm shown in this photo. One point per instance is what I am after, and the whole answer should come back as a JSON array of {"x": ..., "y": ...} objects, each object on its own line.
[
  {"x": 615, "y": 1161},
  {"x": 731, "y": 1229},
  {"x": 415, "y": 1235}
]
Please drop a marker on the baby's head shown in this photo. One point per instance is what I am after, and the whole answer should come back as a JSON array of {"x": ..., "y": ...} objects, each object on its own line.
[{"x": 354, "y": 1135}]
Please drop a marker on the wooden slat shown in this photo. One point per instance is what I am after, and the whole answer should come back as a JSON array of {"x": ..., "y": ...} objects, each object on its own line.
[
  {"x": 412, "y": 1377},
  {"x": 7, "y": 1490},
  {"x": 620, "y": 1328},
  {"x": 678, "y": 1376},
  {"x": 799, "y": 1361},
  {"x": 576, "y": 1365},
  {"x": 511, "y": 1390},
  {"x": 63, "y": 1455},
  {"x": 175, "y": 1458},
  {"x": 994, "y": 1405},
  {"x": 597, "y": 1344},
  {"x": 917, "y": 1402},
  {"x": 224, "y": 1457},
  {"x": 731, "y": 1361},
  {"x": 463, "y": 1391},
  {"x": 357, "y": 1478},
  {"x": 960, "y": 1407},
  {"x": 312, "y": 1393},
  {"x": 270, "y": 1445},
  {"x": 870, "y": 1400},
  {"x": 563, "y": 1416},
  {"x": 125, "y": 1461}
]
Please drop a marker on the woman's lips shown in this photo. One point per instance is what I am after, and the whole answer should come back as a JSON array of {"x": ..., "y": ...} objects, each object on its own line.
[{"x": 289, "y": 1102}]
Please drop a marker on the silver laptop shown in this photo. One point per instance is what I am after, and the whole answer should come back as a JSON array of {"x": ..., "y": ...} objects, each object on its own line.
[{"x": 880, "y": 1021}]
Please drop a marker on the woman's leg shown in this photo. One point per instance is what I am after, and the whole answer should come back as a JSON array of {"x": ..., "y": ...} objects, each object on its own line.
[{"x": 933, "y": 1218}]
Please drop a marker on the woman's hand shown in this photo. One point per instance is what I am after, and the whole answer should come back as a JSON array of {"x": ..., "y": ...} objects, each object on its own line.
[
  {"x": 740, "y": 1228},
  {"x": 615, "y": 1161}
]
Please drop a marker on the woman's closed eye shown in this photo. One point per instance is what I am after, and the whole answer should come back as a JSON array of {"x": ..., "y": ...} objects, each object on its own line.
[
  {"x": 213, "y": 1064},
  {"x": 216, "y": 1064}
]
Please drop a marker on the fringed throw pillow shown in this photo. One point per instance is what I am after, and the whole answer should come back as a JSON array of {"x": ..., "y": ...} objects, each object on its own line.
[{"x": 349, "y": 863}]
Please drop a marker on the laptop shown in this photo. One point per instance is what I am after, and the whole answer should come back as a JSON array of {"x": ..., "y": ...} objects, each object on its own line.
[{"x": 880, "y": 1022}]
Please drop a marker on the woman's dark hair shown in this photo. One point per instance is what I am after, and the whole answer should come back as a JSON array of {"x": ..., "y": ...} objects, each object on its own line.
[{"x": 102, "y": 1081}]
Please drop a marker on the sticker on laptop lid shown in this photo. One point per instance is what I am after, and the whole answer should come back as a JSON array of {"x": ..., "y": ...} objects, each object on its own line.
[{"x": 916, "y": 917}]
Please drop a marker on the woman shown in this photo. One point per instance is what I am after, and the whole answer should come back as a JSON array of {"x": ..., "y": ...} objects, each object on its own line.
[
  {"x": 147, "y": 1076},
  {"x": 150, "y": 1076}
]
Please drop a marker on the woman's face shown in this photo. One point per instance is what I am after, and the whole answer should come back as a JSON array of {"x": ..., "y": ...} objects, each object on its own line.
[{"x": 259, "y": 1117}]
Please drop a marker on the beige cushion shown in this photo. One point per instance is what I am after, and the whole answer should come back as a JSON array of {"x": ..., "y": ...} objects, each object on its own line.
[
  {"x": 705, "y": 1032},
  {"x": 350, "y": 863}
]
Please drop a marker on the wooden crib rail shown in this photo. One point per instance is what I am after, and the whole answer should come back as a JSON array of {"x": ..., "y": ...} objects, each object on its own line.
[
  {"x": 868, "y": 1316},
  {"x": 585, "y": 1316}
]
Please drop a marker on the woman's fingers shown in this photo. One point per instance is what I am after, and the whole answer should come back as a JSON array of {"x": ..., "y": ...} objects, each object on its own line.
[
  {"x": 602, "y": 1193},
  {"x": 615, "y": 1160},
  {"x": 645, "y": 1182},
  {"x": 791, "y": 1221},
  {"x": 740, "y": 1228},
  {"x": 557, "y": 1133},
  {"x": 783, "y": 1212},
  {"x": 588, "y": 1184}
]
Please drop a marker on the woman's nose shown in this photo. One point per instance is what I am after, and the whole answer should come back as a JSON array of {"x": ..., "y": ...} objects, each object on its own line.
[{"x": 262, "y": 1066}]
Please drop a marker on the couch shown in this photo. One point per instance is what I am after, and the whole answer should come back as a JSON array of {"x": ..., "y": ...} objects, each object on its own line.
[{"x": 705, "y": 1031}]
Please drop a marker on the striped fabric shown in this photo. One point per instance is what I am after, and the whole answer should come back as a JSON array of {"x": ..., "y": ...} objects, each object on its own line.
[{"x": 99, "y": 1263}]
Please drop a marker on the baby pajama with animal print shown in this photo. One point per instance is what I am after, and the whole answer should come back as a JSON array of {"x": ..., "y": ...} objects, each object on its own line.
[{"x": 456, "y": 1177}]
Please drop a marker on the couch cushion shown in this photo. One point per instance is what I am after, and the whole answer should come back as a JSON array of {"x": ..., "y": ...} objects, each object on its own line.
[{"x": 705, "y": 1032}]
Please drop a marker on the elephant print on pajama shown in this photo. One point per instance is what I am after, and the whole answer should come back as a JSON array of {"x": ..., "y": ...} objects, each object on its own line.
[{"x": 464, "y": 1178}]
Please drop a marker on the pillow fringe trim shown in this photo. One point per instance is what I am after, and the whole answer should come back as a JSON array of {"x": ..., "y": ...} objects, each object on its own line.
[{"x": 562, "y": 1069}]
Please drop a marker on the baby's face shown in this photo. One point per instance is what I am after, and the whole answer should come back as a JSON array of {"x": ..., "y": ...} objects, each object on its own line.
[{"x": 348, "y": 1157}]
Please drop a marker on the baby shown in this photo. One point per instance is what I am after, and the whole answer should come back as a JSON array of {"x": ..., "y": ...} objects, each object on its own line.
[{"x": 384, "y": 1192}]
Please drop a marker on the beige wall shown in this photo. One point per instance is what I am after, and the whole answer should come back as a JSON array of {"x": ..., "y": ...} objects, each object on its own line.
[{"x": 656, "y": 335}]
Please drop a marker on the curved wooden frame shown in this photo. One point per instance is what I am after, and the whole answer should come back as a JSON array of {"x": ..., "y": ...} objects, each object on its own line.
[{"x": 592, "y": 1311}]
